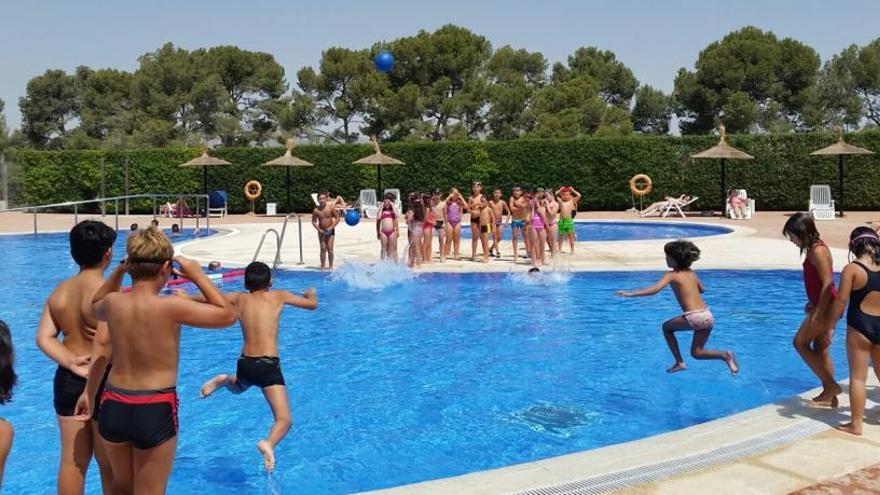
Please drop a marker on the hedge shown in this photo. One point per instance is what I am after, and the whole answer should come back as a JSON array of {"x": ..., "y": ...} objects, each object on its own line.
[{"x": 778, "y": 178}]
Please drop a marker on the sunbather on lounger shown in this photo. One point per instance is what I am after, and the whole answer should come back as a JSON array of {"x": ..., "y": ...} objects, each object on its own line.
[{"x": 658, "y": 206}]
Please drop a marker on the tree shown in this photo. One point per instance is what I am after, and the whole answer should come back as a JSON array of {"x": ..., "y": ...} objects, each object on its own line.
[
  {"x": 651, "y": 112},
  {"x": 751, "y": 79},
  {"x": 447, "y": 68},
  {"x": 615, "y": 81},
  {"x": 4, "y": 133},
  {"x": 514, "y": 76},
  {"x": 341, "y": 90},
  {"x": 573, "y": 107},
  {"x": 835, "y": 98},
  {"x": 47, "y": 108},
  {"x": 104, "y": 104}
]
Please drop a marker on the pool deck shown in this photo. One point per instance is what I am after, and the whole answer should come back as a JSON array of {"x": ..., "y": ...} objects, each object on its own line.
[{"x": 728, "y": 451}]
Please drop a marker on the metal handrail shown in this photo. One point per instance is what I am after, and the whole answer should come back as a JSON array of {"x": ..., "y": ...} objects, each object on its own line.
[
  {"x": 280, "y": 241},
  {"x": 115, "y": 200},
  {"x": 277, "y": 258}
]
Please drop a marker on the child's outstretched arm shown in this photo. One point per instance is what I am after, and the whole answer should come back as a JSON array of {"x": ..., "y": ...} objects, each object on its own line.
[
  {"x": 648, "y": 291},
  {"x": 215, "y": 312},
  {"x": 308, "y": 300},
  {"x": 47, "y": 341}
]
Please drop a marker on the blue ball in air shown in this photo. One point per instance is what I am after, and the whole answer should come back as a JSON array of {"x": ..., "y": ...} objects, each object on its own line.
[
  {"x": 352, "y": 217},
  {"x": 384, "y": 61}
]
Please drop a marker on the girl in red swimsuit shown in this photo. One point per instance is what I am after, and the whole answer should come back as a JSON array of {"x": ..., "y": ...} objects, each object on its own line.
[{"x": 813, "y": 338}]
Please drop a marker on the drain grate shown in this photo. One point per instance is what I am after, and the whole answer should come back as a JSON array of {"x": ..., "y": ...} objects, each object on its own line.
[{"x": 667, "y": 469}]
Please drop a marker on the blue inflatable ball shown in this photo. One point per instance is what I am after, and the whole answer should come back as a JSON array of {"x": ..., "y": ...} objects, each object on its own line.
[
  {"x": 352, "y": 217},
  {"x": 384, "y": 61}
]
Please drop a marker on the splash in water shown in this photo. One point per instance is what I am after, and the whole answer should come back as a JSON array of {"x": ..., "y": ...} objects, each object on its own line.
[
  {"x": 546, "y": 276},
  {"x": 372, "y": 276}
]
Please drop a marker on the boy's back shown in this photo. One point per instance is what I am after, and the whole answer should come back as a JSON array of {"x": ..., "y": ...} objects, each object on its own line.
[
  {"x": 70, "y": 306},
  {"x": 259, "y": 313}
]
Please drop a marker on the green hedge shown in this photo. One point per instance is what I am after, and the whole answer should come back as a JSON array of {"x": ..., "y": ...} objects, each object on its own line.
[{"x": 778, "y": 178}]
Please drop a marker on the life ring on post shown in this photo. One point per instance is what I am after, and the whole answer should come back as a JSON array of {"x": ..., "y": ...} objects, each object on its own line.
[
  {"x": 252, "y": 190},
  {"x": 641, "y": 185}
]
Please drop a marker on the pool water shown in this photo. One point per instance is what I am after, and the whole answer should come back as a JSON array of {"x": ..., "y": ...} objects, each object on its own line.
[
  {"x": 627, "y": 231},
  {"x": 429, "y": 376}
]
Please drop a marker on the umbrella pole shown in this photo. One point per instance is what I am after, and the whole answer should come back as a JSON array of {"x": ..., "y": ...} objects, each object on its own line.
[
  {"x": 379, "y": 174},
  {"x": 205, "y": 179},
  {"x": 723, "y": 189},
  {"x": 840, "y": 181},
  {"x": 288, "y": 188}
]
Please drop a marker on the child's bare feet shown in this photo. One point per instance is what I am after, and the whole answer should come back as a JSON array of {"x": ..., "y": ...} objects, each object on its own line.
[
  {"x": 268, "y": 454},
  {"x": 212, "y": 385},
  {"x": 828, "y": 394},
  {"x": 676, "y": 368},
  {"x": 850, "y": 428},
  {"x": 730, "y": 359}
]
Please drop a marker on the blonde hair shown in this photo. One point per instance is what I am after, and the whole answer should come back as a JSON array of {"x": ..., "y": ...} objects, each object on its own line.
[{"x": 148, "y": 250}]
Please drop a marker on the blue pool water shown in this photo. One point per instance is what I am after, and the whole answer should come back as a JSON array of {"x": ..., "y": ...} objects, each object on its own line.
[
  {"x": 434, "y": 376},
  {"x": 627, "y": 231}
]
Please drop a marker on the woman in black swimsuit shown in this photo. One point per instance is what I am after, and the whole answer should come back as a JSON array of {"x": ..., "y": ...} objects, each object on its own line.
[{"x": 860, "y": 285}]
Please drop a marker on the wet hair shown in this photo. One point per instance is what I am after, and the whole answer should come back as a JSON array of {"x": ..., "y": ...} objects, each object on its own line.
[
  {"x": 417, "y": 207},
  {"x": 148, "y": 250},
  {"x": 802, "y": 227},
  {"x": 154, "y": 223},
  {"x": 214, "y": 265},
  {"x": 863, "y": 240},
  {"x": 175, "y": 228},
  {"x": 257, "y": 276},
  {"x": 89, "y": 242},
  {"x": 683, "y": 253},
  {"x": 133, "y": 227},
  {"x": 8, "y": 378},
  {"x": 390, "y": 196},
  {"x": 534, "y": 269}
]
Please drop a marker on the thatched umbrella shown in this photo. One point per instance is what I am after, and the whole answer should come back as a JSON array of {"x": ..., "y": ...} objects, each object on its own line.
[
  {"x": 378, "y": 159},
  {"x": 287, "y": 161},
  {"x": 723, "y": 151},
  {"x": 205, "y": 161},
  {"x": 841, "y": 148}
]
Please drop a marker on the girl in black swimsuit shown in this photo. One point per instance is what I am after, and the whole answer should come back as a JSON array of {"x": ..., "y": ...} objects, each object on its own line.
[{"x": 860, "y": 285}]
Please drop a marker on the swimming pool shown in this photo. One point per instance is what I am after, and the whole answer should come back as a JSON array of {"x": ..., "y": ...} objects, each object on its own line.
[
  {"x": 628, "y": 231},
  {"x": 435, "y": 376}
]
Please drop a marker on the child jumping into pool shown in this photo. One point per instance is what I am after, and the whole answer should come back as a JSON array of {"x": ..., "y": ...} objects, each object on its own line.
[
  {"x": 686, "y": 286},
  {"x": 860, "y": 286},
  {"x": 259, "y": 311},
  {"x": 137, "y": 417}
]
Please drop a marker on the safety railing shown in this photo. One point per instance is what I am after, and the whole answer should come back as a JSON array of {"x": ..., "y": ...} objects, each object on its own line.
[
  {"x": 279, "y": 241},
  {"x": 115, "y": 201}
]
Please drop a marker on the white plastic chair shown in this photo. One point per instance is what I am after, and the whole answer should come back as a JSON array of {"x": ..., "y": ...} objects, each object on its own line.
[
  {"x": 367, "y": 203},
  {"x": 398, "y": 203},
  {"x": 821, "y": 205},
  {"x": 677, "y": 206},
  {"x": 749, "y": 210}
]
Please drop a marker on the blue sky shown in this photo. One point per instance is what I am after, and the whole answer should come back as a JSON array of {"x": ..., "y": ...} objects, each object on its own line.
[{"x": 654, "y": 38}]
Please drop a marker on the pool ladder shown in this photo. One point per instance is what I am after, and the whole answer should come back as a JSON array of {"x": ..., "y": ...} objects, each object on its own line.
[{"x": 279, "y": 241}]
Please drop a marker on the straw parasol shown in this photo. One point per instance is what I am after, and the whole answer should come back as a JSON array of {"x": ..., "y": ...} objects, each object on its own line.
[
  {"x": 205, "y": 161},
  {"x": 287, "y": 161},
  {"x": 723, "y": 151},
  {"x": 378, "y": 159},
  {"x": 839, "y": 149}
]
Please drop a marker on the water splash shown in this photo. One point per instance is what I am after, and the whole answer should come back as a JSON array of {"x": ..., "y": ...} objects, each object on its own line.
[
  {"x": 372, "y": 276},
  {"x": 546, "y": 277}
]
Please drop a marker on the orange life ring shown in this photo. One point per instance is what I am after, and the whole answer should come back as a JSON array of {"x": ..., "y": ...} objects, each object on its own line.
[
  {"x": 252, "y": 190},
  {"x": 641, "y": 191}
]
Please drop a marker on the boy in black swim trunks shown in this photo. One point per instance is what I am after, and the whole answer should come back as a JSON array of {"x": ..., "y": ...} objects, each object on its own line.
[
  {"x": 68, "y": 313},
  {"x": 258, "y": 311}
]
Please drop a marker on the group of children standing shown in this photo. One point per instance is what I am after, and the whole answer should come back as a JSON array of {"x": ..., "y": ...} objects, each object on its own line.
[{"x": 544, "y": 219}]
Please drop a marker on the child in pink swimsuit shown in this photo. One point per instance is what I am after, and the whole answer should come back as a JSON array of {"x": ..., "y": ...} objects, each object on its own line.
[{"x": 696, "y": 315}]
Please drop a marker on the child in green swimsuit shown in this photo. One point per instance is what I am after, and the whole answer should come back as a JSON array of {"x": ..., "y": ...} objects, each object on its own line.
[{"x": 568, "y": 200}]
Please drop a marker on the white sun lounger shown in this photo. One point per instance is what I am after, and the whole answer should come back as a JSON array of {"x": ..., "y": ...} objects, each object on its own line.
[
  {"x": 750, "y": 208},
  {"x": 315, "y": 199},
  {"x": 367, "y": 203},
  {"x": 821, "y": 205},
  {"x": 676, "y": 206}
]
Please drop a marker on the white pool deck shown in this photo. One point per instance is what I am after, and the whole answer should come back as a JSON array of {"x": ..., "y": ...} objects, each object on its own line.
[{"x": 802, "y": 448}]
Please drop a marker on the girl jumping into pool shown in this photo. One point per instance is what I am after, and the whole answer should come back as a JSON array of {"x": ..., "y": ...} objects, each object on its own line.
[
  {"x": 538, "y": 228},
  {"x": 387, "y": 229},
  {"x": 813, "y": 338},
  {"x": 686, "y": 286},
  {"x": 860, "y": 285}
]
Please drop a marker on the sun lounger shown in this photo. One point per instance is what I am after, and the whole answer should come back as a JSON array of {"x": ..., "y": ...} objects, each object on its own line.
[
  {"x": 677, "y": 207},
  {"x": 821, "y": 205},
  {"x": 367, "y": 203},
  {"x": 217, "y": 204}
]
